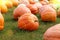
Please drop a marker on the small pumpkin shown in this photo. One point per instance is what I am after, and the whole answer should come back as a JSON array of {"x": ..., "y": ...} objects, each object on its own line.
[
  {"x": 38, "y": 5},
  {"x": 48, "y": 13},
  {"x": 9, "y": 4},
  {"x": 52, "y": 33},
  {"x": 1, "y": 22},
  {"x": 28, "y": 21},
  {"x": 20, "y": 10},
  {"x": 4, "y": 8},
  {"x": 15, "y": 2},
  {"x": 33, "y": 8}
]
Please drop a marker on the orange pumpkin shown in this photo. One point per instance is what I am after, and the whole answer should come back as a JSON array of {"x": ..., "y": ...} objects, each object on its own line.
[
  {"x": 9, "y": 4},
  {"x": 15, "y": 2},
  {"x": 53, "y": 33},
  {"x": 48, "y": 13},
  {"x": 1, "y": 22},
  {"x": 33, "y": 8},
  {"x": 28, "y": 22},
  {"x": 4, "y": 8},
  {"x": 20, "y": 10},
  {"x": 38, "y": 4}
]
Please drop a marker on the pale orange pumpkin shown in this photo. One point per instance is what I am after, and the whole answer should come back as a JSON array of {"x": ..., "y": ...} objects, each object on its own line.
[
  {"x": 33, "y": 8},
  {"x": 4, "y": 8},
  {"x": 1, "y": 22},
  {"x": 53, "y": 33},
  {"x": 38, "y": 5},
  {"x": 15, "y": 2},
  {"x": 28, "y": 21},
  {"x": 9, "y": 4},
  {"x": 20, "y": 10},
  {"x": 48, "y": 13}
]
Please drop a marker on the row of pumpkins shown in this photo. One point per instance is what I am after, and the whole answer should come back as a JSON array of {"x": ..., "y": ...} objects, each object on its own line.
[
  {"x": 5, "y": 4},
  {"x": 27, "y": 20}
]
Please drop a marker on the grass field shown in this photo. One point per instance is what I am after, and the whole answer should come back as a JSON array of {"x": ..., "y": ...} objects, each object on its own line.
[{"x": 11, "y": 32}]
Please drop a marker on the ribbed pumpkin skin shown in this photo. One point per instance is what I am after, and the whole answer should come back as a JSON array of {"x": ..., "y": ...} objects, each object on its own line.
[
  {"x": 53, "y": 33},
  {"x": 20, "y": 10},
  {"x": 48, "y": 13},
  {"x": 28, "y": 22},
  {"x": 1, "y": 22}
]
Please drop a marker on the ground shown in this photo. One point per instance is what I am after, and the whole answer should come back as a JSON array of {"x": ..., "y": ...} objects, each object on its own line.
[{"x": 11, "y": 32}]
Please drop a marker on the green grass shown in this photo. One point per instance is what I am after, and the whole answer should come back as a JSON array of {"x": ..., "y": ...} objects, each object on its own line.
[{"x": 11, "y": 32}]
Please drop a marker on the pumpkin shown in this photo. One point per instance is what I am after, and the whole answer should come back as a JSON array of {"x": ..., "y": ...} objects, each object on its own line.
[
  {"x": 28, "y": 22},
  {"x": 48, "y": 13},
  {"x": 15, "y": 2},
  {"x": 4, "y": 8},
  {"x": 9, "y": 4},
  {"x": 33, "y": 8},
  {"x": 1, "y": 22},
  {"x": 26, "y": 2},
  {"x": 38, "y": 4},
  {"x": 20, "y": 10},
  {"x": 53, "y": 33}
]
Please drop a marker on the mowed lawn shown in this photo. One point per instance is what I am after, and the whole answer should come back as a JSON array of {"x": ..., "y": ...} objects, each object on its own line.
[{"x": 11, "y": 32}]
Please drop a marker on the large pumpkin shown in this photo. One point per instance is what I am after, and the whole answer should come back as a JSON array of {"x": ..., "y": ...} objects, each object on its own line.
[
  {"x": 28, "y": 22},
  {"x": 53, "y": 33},
  {"x": 20, "y": 10},
  {"x": 33, "y": 8},
  {"x": 1, "y": 22},
  {"x": 48, "y": 13}
]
